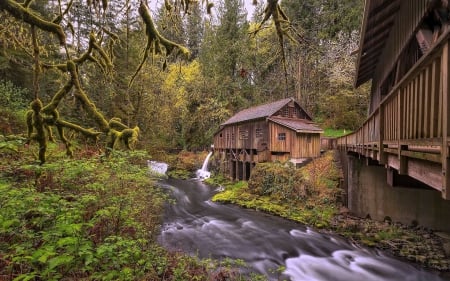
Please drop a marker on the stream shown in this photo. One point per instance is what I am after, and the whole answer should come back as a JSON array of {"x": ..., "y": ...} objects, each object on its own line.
[{"x": 196, "y": 225}]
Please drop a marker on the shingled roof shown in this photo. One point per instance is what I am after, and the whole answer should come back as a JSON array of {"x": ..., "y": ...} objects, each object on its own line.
[
  {"x": 298, "y": 125},
  {"x": 258, "y": 112}
]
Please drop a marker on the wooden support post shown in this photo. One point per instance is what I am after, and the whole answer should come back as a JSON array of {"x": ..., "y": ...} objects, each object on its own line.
[
  {"x": 445, "y": 122},
  {"x": 231, "y": 168},
  {"x": 434, "y": 98},
  {"x": 401, "y": 121},
  {"x": 403, "y": 160},
  {"x": 251, "y": 162},
  {"x": 381, "y": 154},
  {"x": 347, "y": 144},
  {"x": 237, "y": 165},
  {"x": 244, "y": 169}
]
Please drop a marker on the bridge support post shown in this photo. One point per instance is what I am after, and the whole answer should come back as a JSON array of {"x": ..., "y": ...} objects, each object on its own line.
[
  {"x": 403, "y": 160},
  {"x": 381, "y": 153},
  {"x": 445, "y": 122}
]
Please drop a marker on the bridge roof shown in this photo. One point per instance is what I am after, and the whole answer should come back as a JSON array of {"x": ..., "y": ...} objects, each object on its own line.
[{"x": 379, "y": 17}]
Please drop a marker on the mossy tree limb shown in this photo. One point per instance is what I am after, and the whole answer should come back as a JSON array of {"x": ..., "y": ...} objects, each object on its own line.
[
  {"x": 51, "y": 107},
  {"x": 155, "y": 41},
  {"x": 87, "y": 104},
  {"x": 24, "y": 14},
  {"x": 89, "y": 133},
  {"x": 283, "y": 29}
]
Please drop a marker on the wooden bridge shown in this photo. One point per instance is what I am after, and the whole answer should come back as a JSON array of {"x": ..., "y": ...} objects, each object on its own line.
[{"x": 409, "y": 132}]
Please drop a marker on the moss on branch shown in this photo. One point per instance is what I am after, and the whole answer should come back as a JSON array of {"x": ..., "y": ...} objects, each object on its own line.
[
  {"x": 51, "y": 107},
  {"x": 87, "y": 104},
  {"x": 89, "y": 133},
  {"x": 155, "y": 40},
  {"x": 24, "y": 14}
]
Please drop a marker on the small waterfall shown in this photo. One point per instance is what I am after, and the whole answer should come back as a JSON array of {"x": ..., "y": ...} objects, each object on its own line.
[
  {"x": 157, "y": 168},
  {"x": 203, "y": 173}
]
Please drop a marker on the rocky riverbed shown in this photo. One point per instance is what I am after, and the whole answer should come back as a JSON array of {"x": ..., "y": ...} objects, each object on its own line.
[{"x": 413, "y": 243}]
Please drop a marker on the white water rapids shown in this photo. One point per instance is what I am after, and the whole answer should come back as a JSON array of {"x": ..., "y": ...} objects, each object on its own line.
[
  {"x": 200, "y": 227},
  {"x": 203, "y": 173}
]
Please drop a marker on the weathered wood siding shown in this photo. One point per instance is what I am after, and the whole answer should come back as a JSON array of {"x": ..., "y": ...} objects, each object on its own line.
[
  {"x": 225, "y": 138},
  {"x": 292, "y": 110},
  {"x": 306, "y": 145},
  {"x": 277, "y": 145},
  {"x": 299, "y": 145},
  {"x": 248, "y": 135}
]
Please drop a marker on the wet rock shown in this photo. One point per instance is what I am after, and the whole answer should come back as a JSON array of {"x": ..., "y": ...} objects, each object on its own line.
[
  {"x": 443, "y": 235},
  {"x": 446, "y": 247}
]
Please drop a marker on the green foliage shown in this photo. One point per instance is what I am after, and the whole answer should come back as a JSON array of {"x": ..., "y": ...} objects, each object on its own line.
[
  {"x": 308, "y": 195},
  {"x": 335, "y": 133},
  {"x": 13, "y": 98},
  {"x": 13, "y": 105},
  {"x": 90, "y": 219},
  {"x": 281, "y": 180},
  {"x": 85, "y": 219}
]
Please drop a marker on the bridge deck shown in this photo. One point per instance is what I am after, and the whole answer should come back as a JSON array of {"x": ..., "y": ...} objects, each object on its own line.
[{"x": 410, "y": 130}]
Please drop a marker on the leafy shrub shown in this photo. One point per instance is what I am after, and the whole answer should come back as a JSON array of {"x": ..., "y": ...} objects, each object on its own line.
[
  {"x": 13, "y": 98},
  {"x": 278, "y": 180},
  {"x": 89, "y": 219},
  {"x": 80, "y": 219},
  {"x": 13, "y": 104}
]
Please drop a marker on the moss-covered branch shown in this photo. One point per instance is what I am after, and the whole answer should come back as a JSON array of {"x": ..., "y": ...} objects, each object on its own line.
[
  {"x": 22, "y": 13},
  {"x": 116, "y": 124},
  {"x": 283, "y": 28},
  {"x": 87, "y": 104},
  {"x": 155, "y": 40},
  {"x": 154, "y": 35},
  {"x": 51, "y": 107},
  {"x": 89, "y": 133}
]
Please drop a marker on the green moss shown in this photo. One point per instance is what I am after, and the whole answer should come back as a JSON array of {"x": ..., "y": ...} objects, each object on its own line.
[
  {"x": 179, "y": 174},
  {"x": 20, "y": 12},
  {"x": 155, "y": 41}
]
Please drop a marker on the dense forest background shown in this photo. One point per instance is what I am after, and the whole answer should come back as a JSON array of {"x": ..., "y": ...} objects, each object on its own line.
[{"x": 179, "y": 101}]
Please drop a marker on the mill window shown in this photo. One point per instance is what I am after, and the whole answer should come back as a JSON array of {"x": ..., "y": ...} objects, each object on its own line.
[
  {"x": 258, "y": 133},
  {"x": 243, "y": 134}
]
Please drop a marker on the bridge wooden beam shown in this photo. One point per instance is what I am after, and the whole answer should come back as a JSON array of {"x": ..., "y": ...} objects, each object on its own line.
[
  {"x": 445, "y": 122},
  {"x": 381, "y": 153}
]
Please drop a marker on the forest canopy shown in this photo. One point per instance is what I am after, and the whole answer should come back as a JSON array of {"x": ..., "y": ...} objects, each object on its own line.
[{"x": 113, "y": 72}]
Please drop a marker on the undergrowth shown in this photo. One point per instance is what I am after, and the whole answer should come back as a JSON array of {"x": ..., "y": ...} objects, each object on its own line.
[
  {"x": 307, "y": 195},
  {"x": 91, "y": 218}
]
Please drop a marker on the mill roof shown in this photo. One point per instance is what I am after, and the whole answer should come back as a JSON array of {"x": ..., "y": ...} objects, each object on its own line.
[
  {"x": 258, "y": 112},
  {"x": 298, "y": 125}
]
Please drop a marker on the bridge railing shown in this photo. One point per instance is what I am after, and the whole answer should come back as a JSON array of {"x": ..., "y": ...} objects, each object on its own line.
[{"x": 410, "y": 128}]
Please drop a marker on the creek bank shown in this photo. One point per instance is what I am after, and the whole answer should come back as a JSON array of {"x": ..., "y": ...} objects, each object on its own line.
[
  {"x": 413, "y": 243},
  {"x": 310, "y": 195}
]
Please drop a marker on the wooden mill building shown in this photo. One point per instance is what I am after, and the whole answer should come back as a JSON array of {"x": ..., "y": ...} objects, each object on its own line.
[{"x": 277, "y": 131}]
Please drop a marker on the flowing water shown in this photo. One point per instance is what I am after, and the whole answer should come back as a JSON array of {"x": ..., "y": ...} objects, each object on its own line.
[
  {"x": 200, "y": 227},
  {"x": 203, "y": 173},
  {"x": 157, "y": 168}
]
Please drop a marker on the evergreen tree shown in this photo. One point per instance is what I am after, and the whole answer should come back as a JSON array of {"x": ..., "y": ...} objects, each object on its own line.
[
  {"x": 195, "y": 30},
  {"x": 224, "y": 55}
]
